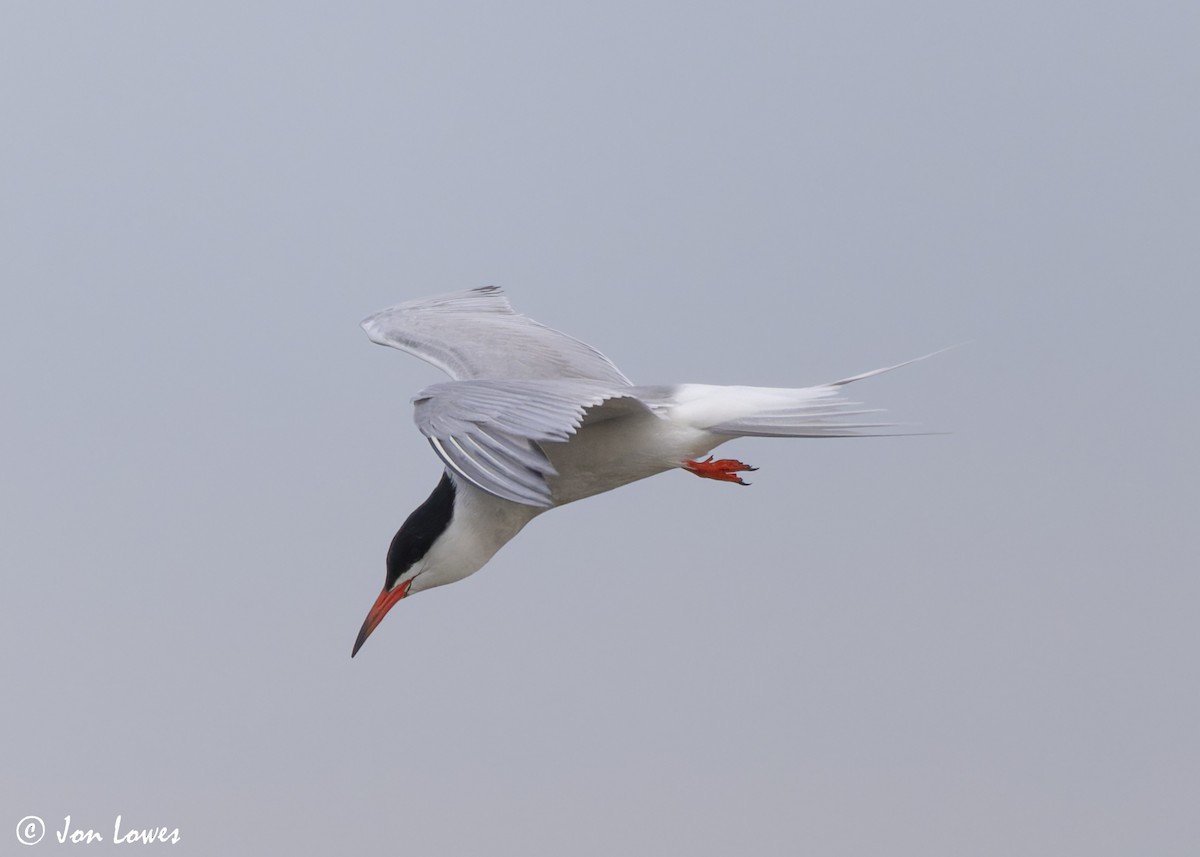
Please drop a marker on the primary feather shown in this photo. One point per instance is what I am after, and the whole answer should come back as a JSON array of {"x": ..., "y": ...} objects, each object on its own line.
[{"x": 476, "y": 335}]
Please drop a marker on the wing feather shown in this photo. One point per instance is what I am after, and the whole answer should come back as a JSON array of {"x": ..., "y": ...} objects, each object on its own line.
[
  {"x": 490, "y": 432},
  {"x": 476, "y": 335}
]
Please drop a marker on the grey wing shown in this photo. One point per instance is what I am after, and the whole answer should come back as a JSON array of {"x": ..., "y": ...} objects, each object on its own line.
[
  {"x": 476, "y": 335},
  {"x": 488, "y": 432}
]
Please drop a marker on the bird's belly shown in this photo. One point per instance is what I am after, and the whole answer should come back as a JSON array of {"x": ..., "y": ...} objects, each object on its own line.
[{"x": 609, "y": 454}]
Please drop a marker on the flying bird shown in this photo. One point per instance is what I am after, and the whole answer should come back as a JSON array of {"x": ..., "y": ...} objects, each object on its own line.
[{"x": 534, "y": 419}]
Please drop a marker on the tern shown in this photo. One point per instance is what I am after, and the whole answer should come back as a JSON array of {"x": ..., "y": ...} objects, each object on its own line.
[{"x": 533, "y": 419}]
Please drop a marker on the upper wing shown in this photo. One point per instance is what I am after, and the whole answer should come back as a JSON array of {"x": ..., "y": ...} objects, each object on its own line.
[
  {"x": 488, "y": 431},
  {"x": 476, "y": 335}
]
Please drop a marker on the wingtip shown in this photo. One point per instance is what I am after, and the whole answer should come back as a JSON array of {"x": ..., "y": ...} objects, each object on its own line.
[
  {"x": 371, "y": 326},
  {"x": 374, "y": 324}
]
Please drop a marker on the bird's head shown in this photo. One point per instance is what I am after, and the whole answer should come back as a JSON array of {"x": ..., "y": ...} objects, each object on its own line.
[{"x": 408, "y": 556}]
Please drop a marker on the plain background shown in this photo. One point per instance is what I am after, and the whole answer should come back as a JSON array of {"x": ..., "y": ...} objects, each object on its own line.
[{"x": 983, "y": 642}]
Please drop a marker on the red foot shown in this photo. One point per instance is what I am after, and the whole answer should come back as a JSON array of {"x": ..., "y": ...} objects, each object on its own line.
[{"x": 726, "y": 469}]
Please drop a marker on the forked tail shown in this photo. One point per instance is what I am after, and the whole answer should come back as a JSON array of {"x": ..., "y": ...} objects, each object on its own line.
[{"x": 819, "y": 411}]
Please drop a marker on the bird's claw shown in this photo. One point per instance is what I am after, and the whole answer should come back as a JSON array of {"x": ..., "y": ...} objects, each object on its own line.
[{"x": 724, "y": 469}]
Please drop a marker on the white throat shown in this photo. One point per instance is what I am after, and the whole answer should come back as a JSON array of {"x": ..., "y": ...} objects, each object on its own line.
[{"x": 481, "y": 524}]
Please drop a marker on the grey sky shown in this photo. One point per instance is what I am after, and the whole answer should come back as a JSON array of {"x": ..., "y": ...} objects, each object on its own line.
[{"x": 976, "y": 643}]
